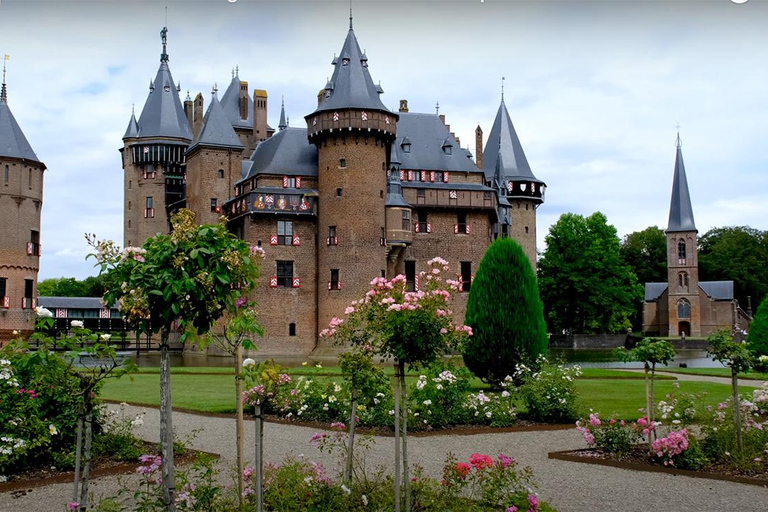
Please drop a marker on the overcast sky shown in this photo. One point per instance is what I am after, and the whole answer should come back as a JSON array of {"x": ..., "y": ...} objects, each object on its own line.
[{"x": 594, "y": 88}]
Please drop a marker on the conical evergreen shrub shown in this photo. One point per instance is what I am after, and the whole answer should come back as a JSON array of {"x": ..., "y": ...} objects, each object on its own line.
[
  {"x": 757, "y": 338},
  {"x": 505, "y": 312}
]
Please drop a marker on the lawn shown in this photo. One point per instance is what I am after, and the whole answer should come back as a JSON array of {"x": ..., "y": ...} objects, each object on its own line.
[{"x": 215, "y": 392}]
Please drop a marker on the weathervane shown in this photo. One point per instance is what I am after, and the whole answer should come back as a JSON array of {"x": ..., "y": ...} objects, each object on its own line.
[
  {"x": 437, "y": 108},
  {"x": 502, "y": 88},
  {"x": 678, "y": 142}
]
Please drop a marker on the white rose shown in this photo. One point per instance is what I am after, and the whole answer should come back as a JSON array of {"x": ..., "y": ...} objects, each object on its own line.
[
  {"x": 248, "y": 362},
  {"x": 77, "y": 323},
  {"x": 43, "y": 312}
]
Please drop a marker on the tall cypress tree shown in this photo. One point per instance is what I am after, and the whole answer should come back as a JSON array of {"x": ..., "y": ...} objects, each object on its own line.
[
  {"x": 757, "y": 338},
  {"x": 505, "y": 312}
]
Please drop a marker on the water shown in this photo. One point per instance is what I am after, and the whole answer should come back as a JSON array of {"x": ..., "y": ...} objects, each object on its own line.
[{"x": 587, "y": 358}]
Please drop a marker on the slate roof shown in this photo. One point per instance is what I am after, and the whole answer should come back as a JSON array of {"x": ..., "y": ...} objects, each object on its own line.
[
  {"x": 287, "y": 152},
  {"x": 394, "y": 187},
  {"x": 133, "y": 128},
  {"x": 503, "y": 141},
  {"x": 718, "y": 290},
  {"x": 282, "y": 125},
  {"x": 351, "y": 85},
  {"x": 13, "y": 143},
  {"x": 163, "y": 115},
  {"x": 216, "y": 130},
  {"x": 680, "y": 209},
  {"x": 230, "y": 102},
  {"x": 427, "y": 135},
  {"x": 71, "y": 302}
]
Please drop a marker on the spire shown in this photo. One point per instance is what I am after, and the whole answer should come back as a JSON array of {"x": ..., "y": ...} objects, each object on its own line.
[
  {"x": 502, "y": 89},
  {"x": 394, "y": 187},
  {"x": 350, "y": 14},
  {"x": 283, "y": 125},
  {"x": 503, "y": 142},
  {"x": 217, "y": 130},
  {"x": 13, "y": 143},
  {"x": 133, "y": 127},
  {"x": 3, "y": 88},
  {"x": 164, "y": 37},
  {"x": 680, "y": 209}
]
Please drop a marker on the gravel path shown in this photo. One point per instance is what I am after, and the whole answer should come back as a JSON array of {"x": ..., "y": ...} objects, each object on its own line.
[
  {"x": 571, "y": 487},
  {"x": 748, "y": 383}
]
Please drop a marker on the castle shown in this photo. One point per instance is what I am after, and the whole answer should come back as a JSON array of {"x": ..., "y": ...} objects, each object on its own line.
[
  {"x": 21, "y": 201},
  {"x": 685, "y": 306},
  {"x": 361, "y": 192}
]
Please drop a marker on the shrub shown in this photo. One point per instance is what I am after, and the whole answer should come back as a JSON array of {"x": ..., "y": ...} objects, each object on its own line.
[
  {"x": 439, "y": 395},
  {"x": 549, "y": 393},
  {"x": 505, "y": 313},
  {"x": 720, "y": 441},
  {"x": 757, "y": 338},
  {"x": 668, "y": 448},
  {"x": 612, "y": 436}
]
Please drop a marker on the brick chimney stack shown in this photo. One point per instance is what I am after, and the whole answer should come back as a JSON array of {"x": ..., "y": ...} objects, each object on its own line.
[{"x": 479, "y": 147}]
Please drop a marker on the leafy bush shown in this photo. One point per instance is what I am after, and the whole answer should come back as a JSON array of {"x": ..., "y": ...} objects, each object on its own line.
[
  {"x": 720, "y": 441},
  {"x": 549, "y": 394},
  {"x": 757, "y": 338},
  {"x": 505, "y": 313},
  {"x": 439, "y": 394},
  {"x": 612, "y": 436}
]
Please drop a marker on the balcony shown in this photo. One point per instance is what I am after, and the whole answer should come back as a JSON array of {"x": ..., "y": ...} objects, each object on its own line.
[{"x": 257, "y": 201}]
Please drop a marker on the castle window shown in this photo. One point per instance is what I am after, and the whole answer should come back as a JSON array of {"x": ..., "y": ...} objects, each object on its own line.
[
  {"x": 3, "y": 291},
  {"x": 129, "y": 223},
  {"x": 221, "y": 173},
  {"x": 410, "y": 276},
  {"x": 284, "y": 232},
  {"x": 420, "y": 195},
  {"x": 342, "y": 162},
  {"x": 149, "y": 209},
  {"x": 461, "y": 222},
  {"x": 422, "y": 226},
  {"x": 333, "y": 238},
  {"x": 526, "y": 230},
  {"x": 339, "y": 192},
  {"x": 284, "y": 271},
  {"x": 7, "y": 176},
  {"x": 215, "y": 205},
  {"x": 30, "y": 179},
  {"x": 438, "y": 177},
  {"x": 406, "y": 147},
  {"x": 406, "y": 220},
  {"x": 289, "y": 182},
  {"x": 129, "y": 206},
  {"x": 681, "y": 252},
  {"x": 291, "y": 329},
  {"x": 486, "y": 196},
  {"x": 28, "y": 288},
  {"x": 148, "y": 172},
  {"x": 683, "y": 309},
  {"x": 466, "y": 275},
  {"x": 34, "y": 242},
  {"x": 334, "y": 284}
]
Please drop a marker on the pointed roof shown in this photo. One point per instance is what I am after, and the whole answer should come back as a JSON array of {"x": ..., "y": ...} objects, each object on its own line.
[
  {"x": 216, "y": 130},
  {"x": 680, "y": 209},
  {"x": 230, "y": 102},
  {"x": 283, "y": 124},
  {"x": 13, "y": 143},
  {"x": 503, "y": 142},
  {"x": 163, "y": 115},
  {"x": 394, "y": 187},
  {"x": 133, "y": 128},
  {"x": 351, "y": 85},
  {"x": 287, "y": 153}
]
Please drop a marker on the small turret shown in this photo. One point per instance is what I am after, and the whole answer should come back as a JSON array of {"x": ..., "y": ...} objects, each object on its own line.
[{"x": 283, "y": 124}]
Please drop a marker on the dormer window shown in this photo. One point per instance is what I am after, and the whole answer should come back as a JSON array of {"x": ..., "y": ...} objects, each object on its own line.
[
  {"x": 448, "y": 150},
  {"x": 345, "y": 61},
  {"x": 406, "y": 145}
]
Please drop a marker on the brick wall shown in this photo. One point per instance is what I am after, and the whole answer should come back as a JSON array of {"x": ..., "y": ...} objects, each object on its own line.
[
  {"x": 204, "y": 183},
  {"x": 523, "y": 228}
]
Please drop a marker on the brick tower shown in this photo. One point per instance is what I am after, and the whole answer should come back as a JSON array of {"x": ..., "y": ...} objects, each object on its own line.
[
  {"x": 21, "y": 201},
  {"x": 352, "y": 130},
  {"x": 682, "y": 257},
  {"x": 153, "y": 155},
  {"x": 519, "y": 192}
]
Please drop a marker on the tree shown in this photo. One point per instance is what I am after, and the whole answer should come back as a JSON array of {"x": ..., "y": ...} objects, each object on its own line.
[
  {"x": 584, "y": 284},
  {"x": 757, "y": 338},
  {"x": 739, "y": 254},
  {"x": 91, "y": 286},
  {"x": 185, "y": 281},
  {"x": 645, "y": 252},
  {"x": 505, "y": 312}
]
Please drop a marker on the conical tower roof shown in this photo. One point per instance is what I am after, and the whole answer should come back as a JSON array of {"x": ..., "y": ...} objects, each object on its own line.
[
  {"x": 217, "y": 130},
  {"x": 230, "y": 102},
  {"x": 680, "y": 209},
  {"x": 351, "y": 85},
  {"x": 394, "y": 187},
  {"x": 13, "y": 143},
  {"x": 503, "y": 141},
  {"x": 163, "y": 114},
  {"x": 283, "y": 124},
  {"x": 133, "y": 128}
]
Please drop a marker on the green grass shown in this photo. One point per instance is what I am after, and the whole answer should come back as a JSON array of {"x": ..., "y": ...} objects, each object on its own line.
[{"x": 716, "y": 372}]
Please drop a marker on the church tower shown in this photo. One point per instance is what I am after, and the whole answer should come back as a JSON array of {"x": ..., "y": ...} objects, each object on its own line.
[
  {"x": 682, "y": 257},
  {"x": 519, "y": 192},
  {"x": 153, "y": 155},
  {"x": 21, "y": 202},
  {"x": 352, "y": 130}
]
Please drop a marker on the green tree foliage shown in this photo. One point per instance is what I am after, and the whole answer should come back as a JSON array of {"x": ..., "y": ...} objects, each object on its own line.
[
  {"x": 585, "y": 286},
  {"x": 645, "y": 252},
  {"x": 739, "y": 254},
  {"x": 757, "y": 339},
  {"x": 505, "y": 312},
  {"x": 92, "y": 286}
]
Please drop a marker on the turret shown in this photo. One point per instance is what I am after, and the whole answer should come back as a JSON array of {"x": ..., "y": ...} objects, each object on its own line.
[{"x": 399, "y": 212}]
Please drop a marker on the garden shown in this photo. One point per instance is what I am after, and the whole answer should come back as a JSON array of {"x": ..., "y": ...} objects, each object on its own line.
[{"x": 392, "y": 381}]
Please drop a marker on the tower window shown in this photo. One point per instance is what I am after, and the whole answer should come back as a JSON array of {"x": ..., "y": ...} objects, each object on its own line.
[
  {"x": 28, "y": 288},
  {"x": 466, "y": 275},
  {"x": 284, "y": 232},
  {"x": 149, "y": 209},
  {"x": 333, "y": 238},
  {"x": 682, "y": 281},
  {"x": 30, "y": 179},
  {"x": 291, "y": 329},
  {"x": 215, "y": 205},
  {"x": 7, "y": 175},
  {"x": 683, "y": 309},
  {"x": 526, "y": 230},
  {"x": 129, "y": 206},
  {"x": 284, "y": 271},
  {"x": 3, "y": 288},
  {"x": 406, "y": 220},
  {"x": 148, "y": 172},
  {"x": 339, "y": 192},
  {"x": 681, "y": 252},
  {"x": 221, "y": 173},
  {"x": 422, "y": 225},
  {"x": 410, "y": 276},
  {"x": 334, "y": 285},
  {"x": 343, "y": 162},
  {"x": 461, "y": 222}
]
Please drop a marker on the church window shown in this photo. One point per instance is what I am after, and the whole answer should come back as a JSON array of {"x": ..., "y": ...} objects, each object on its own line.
[
  {"x": 683, "y": 309},
  {"x": 682, "y": 280},
  {"x": 284, "y": 232},
  {"x": 681, "y": 256},
  {"x": 284, "y": 273}
]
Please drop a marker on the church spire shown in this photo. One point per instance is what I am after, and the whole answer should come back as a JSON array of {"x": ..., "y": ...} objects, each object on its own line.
[
  {"x": 3, "y": 89},
  {"x": 680, "y": 209},
  {"x": 283, "y": 125}
]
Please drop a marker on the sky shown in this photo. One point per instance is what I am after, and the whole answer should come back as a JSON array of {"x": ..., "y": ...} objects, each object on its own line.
[{"x": 595, "y": 90}]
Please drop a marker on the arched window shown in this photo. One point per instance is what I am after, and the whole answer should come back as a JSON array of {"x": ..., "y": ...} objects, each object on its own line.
[
  {"x": 683, "y": 309},
  {"x": 681, "y": 252},
  {"x": 682, "y": 281}
]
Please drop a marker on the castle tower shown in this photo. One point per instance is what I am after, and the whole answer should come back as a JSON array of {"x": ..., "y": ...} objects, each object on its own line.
[
  {"x": 153, "y": 159},
  {"x": 213, "y": 165},
  {"x": 238, "y": 106},
  {"x": 352, "y": 130},
  {"x": 507, "y": 170},
  {"x": 21, "y": 201},
  {"x": 682, "y": 257}
]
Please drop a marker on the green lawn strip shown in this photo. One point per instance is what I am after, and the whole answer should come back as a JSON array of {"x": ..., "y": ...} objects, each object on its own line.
[{"x": 716, "y": 372}]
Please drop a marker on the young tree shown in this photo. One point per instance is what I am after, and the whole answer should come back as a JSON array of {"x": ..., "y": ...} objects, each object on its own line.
[
  {"x": 505, "y": 313},
  {"x": 184, "y": 280},
  {"x": 757, "y": 337},
  {"x": 412, "y": 327},
  {"x": 584, "y": 284}
]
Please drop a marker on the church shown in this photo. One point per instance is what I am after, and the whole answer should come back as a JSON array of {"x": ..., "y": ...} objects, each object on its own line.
[
  {"x": 359, "y": 191},
  {"x": 685, "y": 306}
]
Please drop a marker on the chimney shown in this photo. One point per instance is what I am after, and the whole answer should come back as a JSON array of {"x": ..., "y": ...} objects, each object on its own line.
[
  {"x": 442, "y": 118},
  {"x": 259, "y": 115},
  {"x": 197, "y": 125},
  {"x": 320, "y": 97},
  {"x": 244, "y": 100},
  {"x": 458, "y": 141},
  {"x": 479, "y": 147},
  {"x": 403, "y": 105},
  {"x": 188, "y": 111}
]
